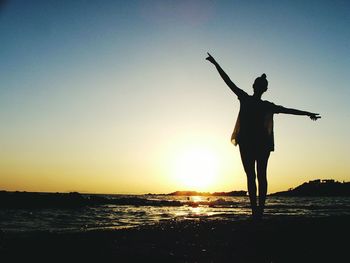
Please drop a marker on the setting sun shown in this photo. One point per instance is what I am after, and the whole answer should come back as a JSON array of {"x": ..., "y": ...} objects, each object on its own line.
[{"x": 196, "y": 168}]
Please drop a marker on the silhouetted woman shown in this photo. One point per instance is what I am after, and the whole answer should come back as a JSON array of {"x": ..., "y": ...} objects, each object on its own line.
[{"x": 253, "y": 133}]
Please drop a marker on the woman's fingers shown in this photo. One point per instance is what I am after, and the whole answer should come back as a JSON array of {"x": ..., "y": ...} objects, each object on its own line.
[
  {"x": 210, "y": 58},
  {"x": 315, "y": 116}
]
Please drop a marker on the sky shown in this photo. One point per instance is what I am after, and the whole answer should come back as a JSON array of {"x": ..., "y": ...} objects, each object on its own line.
[{"x": 117, "y": 97}]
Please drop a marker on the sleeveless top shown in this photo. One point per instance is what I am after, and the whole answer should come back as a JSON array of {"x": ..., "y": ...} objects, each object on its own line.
[{"x": 254, "y": 125}]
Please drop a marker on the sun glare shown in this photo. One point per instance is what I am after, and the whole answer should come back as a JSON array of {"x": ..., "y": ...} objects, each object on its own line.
[{"x": 196, "y": 169}]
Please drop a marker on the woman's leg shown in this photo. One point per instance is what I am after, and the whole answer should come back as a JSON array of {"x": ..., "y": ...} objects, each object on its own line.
[
  {"x": 262, "y": 161},
  {"x": 248, "y": 162}
]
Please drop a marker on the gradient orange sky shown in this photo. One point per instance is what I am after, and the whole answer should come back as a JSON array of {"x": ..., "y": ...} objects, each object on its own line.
[{"x": 116, "y": 96}]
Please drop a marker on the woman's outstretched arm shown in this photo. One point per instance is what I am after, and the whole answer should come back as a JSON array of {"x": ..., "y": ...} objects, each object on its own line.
[
  {"x": 313, "y": 116},
  {"x": 226, "y": 78}
]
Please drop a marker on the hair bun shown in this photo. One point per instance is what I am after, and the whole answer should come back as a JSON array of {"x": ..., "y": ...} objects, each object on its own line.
[{"x": 263, "y": 76}]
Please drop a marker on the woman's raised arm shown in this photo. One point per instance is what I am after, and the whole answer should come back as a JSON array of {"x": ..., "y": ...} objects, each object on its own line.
[
  {"x": 226, "y": 78},
  {"x": 313, "y": 116}
]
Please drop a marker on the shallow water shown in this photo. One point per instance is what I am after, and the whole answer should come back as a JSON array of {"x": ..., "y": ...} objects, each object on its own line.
[{"x": 141, "y": 213}]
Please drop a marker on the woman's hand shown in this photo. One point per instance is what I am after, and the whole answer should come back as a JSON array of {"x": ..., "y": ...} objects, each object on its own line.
[
  {"x": 314, "y": 116},
  {"x": 211, "y": 59}
]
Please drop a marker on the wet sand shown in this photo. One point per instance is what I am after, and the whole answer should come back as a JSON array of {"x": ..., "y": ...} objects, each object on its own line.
[{"x": 276, "y": 239}]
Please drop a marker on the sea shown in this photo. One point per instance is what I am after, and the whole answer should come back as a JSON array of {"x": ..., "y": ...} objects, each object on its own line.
[{"x": 151, "y": 209}]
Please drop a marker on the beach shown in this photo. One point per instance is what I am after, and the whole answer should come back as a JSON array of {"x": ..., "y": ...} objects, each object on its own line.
[{"x": 274, "y": 239}]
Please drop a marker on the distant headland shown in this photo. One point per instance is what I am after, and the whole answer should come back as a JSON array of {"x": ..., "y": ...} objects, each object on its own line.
[{"x": 318, "y": 187}]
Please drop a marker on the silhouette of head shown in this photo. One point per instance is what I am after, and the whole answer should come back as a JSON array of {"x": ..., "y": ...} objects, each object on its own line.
[{"x": 260, "y": 85}]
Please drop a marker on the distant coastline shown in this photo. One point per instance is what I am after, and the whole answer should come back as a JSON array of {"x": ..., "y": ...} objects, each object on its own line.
[
  {"x": 195, "y": 193},
  {"x": 318, "y": 187},
  {"x": 24, "y": 199}
]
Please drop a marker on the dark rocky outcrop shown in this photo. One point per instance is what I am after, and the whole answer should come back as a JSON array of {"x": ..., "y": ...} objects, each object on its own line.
[{"x": 318, "y": 188}]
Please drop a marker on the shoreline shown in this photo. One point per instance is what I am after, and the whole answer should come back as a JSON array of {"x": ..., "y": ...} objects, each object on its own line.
[{"x": 275, "y": 239}]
